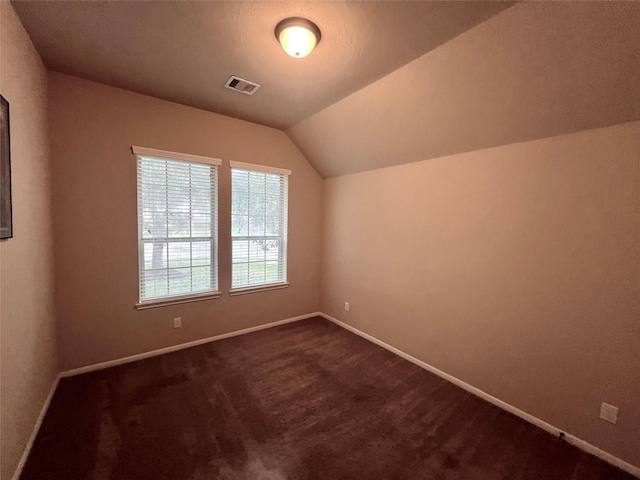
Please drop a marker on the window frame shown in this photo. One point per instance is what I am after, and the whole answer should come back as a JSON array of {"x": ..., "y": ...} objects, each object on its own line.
[
  {"x": 189, "y": 297},
  {"x": 284, "y": 227}
]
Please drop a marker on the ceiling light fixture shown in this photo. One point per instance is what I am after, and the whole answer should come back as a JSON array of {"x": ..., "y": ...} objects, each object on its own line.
[{"x": 298, "y": 36}]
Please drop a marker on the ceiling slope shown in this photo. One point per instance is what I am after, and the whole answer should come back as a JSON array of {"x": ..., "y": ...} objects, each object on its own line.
[
  {"x": 536, "y": 70},
  {"x": 184, "y": 51}
]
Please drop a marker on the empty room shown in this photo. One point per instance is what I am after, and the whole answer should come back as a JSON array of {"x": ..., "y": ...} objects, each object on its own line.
[{"x": 319, "y": 240}]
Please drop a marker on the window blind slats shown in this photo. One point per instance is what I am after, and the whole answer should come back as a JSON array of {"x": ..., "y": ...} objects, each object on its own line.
[
  {"x": 259, "y": 203},
  {"x": 177, "y": 222}
]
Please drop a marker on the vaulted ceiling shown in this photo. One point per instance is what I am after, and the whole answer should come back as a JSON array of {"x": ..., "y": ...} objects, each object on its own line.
[
  {"x": 185, "y": 51},
  {"x": 536, "y": 70},
  {"x": 391, "y": 82}
]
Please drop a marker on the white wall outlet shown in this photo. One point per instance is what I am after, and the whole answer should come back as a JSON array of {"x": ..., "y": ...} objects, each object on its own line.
[
  {"x": 177, "y": 322},
  {"x": 346, "y": 306},
  {"x": 609, "y": 413}
]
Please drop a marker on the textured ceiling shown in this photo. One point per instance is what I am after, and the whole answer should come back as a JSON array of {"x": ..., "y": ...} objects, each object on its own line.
[
  {"x": 185, "y": 51},
  {"x": 536, "y": 70}
]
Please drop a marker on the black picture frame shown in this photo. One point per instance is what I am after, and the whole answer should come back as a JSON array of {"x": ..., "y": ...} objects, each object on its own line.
[{"x": 6, "y": 219}]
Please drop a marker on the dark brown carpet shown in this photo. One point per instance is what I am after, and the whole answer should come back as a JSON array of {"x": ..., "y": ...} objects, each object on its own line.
[{"x": 303, "y": 401}]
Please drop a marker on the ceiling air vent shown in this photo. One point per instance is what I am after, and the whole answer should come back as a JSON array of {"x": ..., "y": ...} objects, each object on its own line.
[{"x": 241, "y": 85}]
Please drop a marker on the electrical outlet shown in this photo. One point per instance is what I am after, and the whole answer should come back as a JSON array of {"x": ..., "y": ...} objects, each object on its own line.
[
  {"x": 609, "y": 413},
  {"x": 346, "y": 306},
  {"x": 177, "y": 322}
]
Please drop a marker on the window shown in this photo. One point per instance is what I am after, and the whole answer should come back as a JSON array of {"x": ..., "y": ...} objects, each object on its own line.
[
  {"x": 177, "y": 226},
  {"x": 258, "y": 225}
]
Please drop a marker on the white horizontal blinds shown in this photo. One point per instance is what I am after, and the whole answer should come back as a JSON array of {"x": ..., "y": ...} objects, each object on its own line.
[
  {"x": 177, "y": 221},
  {"x": 259, "y": 203}
]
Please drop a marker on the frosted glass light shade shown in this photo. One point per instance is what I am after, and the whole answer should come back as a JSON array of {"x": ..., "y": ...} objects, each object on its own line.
[{"x": 297, "y": 36}]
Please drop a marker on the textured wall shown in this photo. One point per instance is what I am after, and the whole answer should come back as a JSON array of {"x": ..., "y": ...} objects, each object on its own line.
[
  {"x": 94, "y": 177},
  {"x": 28, "y": 358},
  {"x": 515, "y": 269}
]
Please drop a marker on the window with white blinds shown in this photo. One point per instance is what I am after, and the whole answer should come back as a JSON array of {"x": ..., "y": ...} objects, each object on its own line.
[
  {"x": 259, "y": 204},
  {"x": 177, "y": 225}
]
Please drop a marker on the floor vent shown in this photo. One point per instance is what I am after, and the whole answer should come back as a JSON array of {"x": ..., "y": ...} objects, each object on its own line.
[{"x": 241, "y": 85}]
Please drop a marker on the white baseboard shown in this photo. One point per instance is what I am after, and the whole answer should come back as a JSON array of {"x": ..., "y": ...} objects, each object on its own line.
[
  {"x": 181, "y": 346},
  {"x": 133, "y": 358},
  {"x": 36, "y": 429},
  {"x": 587, "y": 447}
]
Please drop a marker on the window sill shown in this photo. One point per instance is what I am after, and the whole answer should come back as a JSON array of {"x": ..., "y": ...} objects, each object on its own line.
[
  {"x": 258, "y": 288},
  {"x": 163, "y": 302}
]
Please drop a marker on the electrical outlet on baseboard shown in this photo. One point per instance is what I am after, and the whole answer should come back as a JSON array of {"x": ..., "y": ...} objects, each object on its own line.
[
  {"x": 346, "y": 306},
  {"x": 177, "y": 322},
  {"x": 609, "y": 413}
]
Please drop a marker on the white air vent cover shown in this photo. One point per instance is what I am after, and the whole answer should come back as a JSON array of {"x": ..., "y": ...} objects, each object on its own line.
[{"x": 241, "y": 85}]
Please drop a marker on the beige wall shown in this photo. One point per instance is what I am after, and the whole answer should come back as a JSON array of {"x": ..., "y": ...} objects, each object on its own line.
[
  {"x": 28, "y": 358},
  {"x": 515, "y": 269},
  {"x": 94, "y": 178},
  {"x": 535, "y": 70}
]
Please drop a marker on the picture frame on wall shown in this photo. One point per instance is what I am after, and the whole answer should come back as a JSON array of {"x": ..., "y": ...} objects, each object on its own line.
[{"x": 6, "y": 223}]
